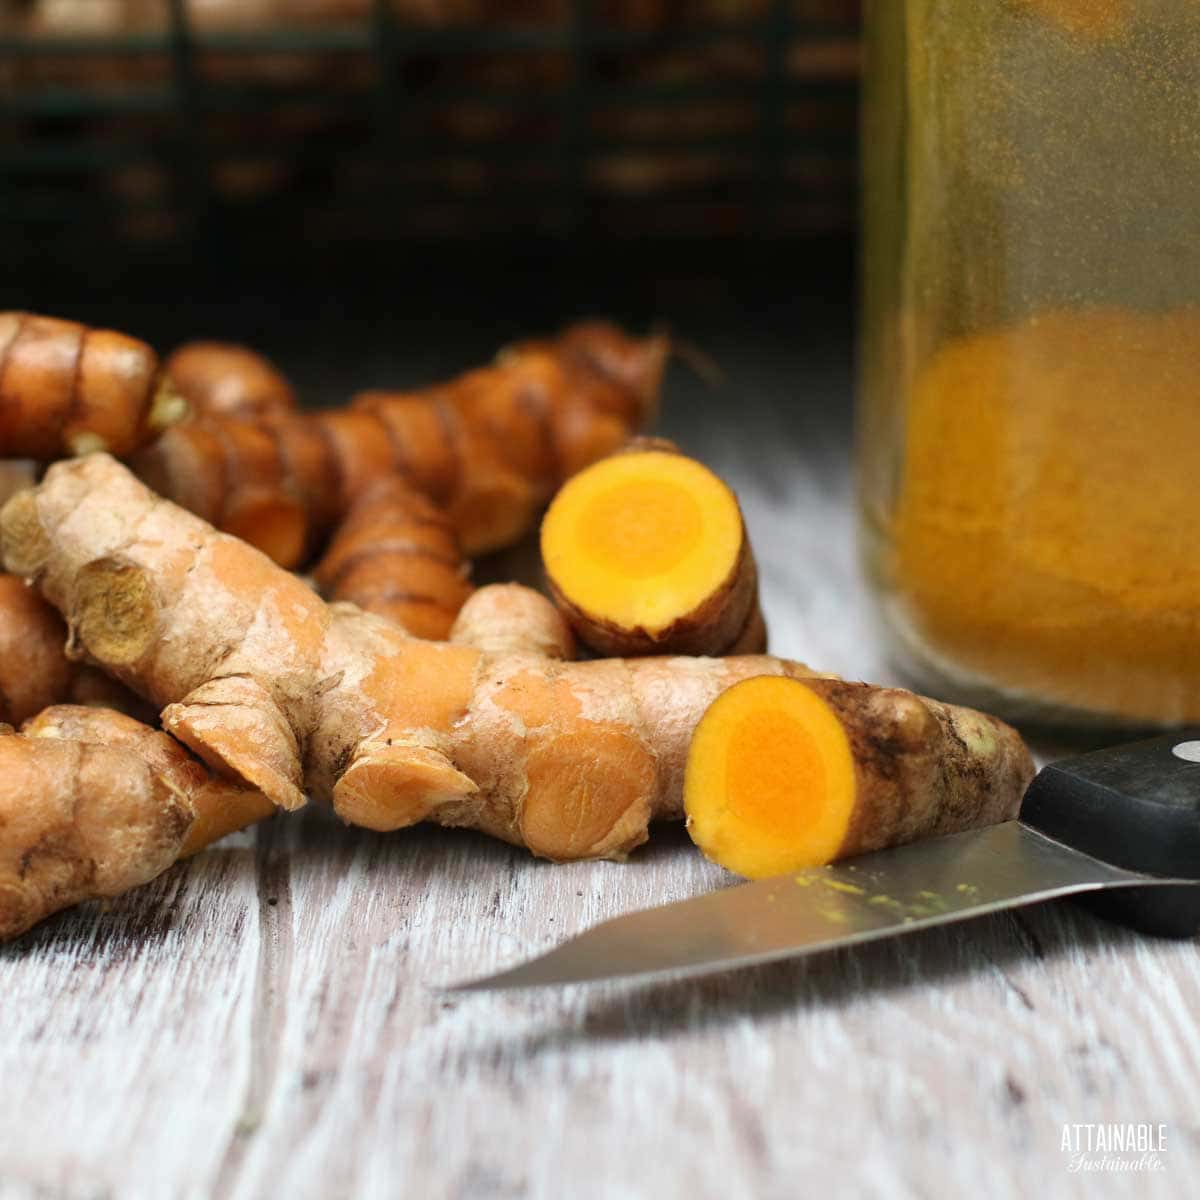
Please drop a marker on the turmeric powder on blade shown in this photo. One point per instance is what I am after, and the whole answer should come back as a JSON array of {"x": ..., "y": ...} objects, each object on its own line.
[{"x": 1044, "y": 541}]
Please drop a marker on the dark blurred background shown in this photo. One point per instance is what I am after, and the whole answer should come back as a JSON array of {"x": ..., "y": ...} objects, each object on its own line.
[{"x": 384, "y": 191}]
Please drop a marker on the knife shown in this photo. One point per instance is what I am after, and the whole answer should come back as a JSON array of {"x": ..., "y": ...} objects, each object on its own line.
[{"x": 1120, "y": 827}]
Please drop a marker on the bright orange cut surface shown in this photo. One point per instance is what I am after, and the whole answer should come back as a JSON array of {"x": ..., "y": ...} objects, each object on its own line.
[
  {"x": 770, "y": 782},
  {"x": 774, "y": 775},
  {"x": 640, "y": 528},
  {"x": 642, "y": 539}
]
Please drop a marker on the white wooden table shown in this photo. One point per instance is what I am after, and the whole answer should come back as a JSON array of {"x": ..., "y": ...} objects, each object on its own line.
[{"x": 263, "y": 1021}]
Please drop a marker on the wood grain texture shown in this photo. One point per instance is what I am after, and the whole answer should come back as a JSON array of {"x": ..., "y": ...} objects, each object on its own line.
[{"x": 263, "y": 1022}]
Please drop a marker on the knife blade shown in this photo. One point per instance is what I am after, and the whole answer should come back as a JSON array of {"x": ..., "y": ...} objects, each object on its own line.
[{"x": 1121, "y": 822}]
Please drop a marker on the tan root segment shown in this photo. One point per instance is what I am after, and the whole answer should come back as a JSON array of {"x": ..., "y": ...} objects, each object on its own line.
[
  {"x": 280, "y": 691},
  {"x": 68, "y": 389},
  {"x": 231, "y": 470},
  {"x": 489, "y": 447},
  {"x": 92, "y": 803},
  {"x": 507, "y": 618},
  {"x": 220, "y": 806},
  {"x": 646, "y": 552}
]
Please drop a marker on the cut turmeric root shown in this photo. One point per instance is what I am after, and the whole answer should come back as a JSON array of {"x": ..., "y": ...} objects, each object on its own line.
[
  {"x": 646, "y": 552},
  {"x": 271, "y": 686},
  {"x": 489, "y": 447},
  {"x": 68, "y": 389},
  {"x": 786, "y": 773}
]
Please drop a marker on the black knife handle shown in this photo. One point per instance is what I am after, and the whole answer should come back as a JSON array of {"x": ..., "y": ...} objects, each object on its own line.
[{"x": 1137, "y": 807}]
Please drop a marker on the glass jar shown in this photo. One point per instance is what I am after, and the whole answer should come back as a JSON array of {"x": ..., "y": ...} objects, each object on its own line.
[{"x": 1030, "y": 409}]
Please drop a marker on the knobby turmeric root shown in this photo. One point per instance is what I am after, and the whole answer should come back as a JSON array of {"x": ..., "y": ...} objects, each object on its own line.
[
  {"x": 35, "y": 671},
  {"x": 279, "y": 691},
  {"x": 219, "y": 379},
  {"x": 489, "y": 447},
  {"x": 396, "y": 555},
  {"x": 788, "y": 773},
  {"x": 220, "y": 806},
  {"x": 273, "y": 687},
  {"x": 68, "y": 389},
  {"x": 92, "y": 804},
  {"x": 231, "y": 471},
  {"x": 646, "y": 552},
  {"x": 508, "y": 618}
]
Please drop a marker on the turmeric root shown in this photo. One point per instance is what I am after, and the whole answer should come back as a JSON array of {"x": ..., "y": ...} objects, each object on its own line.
[
  {"x": 273, "y": 687},
  {"x": 68, "y": 389},
  {"x": 646, "y": 552},
  {"x": 221, "y": 806},
  {"x": 396, "y": 555},
  {"x": 507, "y": 618},
  {"x": 231, "y": 471},
  {"x": 219, "y": 379},
  {"x": 489, "y": 447},
  {"x": 92, "y": 804},
  {"x": 35, "y": 671},
  {"x": 80, "y": 821},
  {"x": 787, "y": 773},
  {"x": 598, "y": 351}
]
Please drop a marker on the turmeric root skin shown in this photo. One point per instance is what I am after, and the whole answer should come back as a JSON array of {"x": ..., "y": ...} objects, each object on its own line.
[
  {"x": 80, "y": 821},
  {"x": 396, "y": 555},
  {"x": 220, "y": 379},
  {"x": 784, "y": 774},
  {"x": 93, "y": 803},
  {"x": 489, "y": 447},
  {"x": 34, "y": 669},
  {"x": 646, "y": 552},
  {"x": 507, "y": 618},
  {"x": 68, "y": 389},
  {"x": 221, "y": 806}
]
